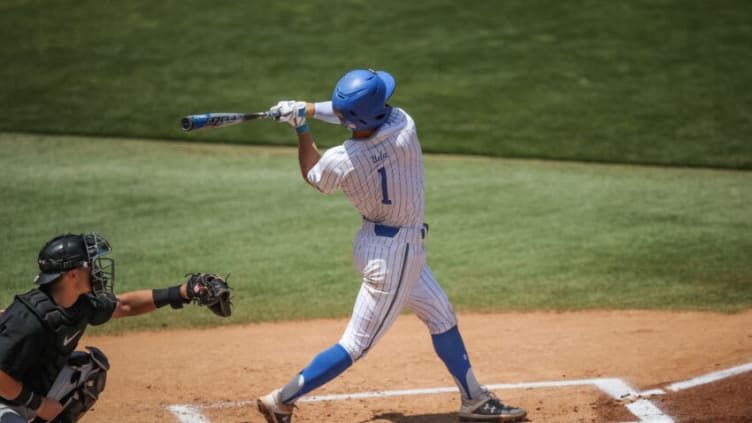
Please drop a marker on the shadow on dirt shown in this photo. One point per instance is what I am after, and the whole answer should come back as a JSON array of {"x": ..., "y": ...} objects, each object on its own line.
[{"x": 418, "y": 418}]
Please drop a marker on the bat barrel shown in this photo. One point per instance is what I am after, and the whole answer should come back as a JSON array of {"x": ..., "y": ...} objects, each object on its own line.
[
  {"x": 210, "y": 120},
  {"x": 219, "y": 120},
  {"x": 186, "y": 123},
  {"x": 195, "y": 122}
]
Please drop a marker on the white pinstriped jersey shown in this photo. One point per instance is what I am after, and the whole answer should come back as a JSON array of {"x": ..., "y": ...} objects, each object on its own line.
[{"x": 381, "y": 175}]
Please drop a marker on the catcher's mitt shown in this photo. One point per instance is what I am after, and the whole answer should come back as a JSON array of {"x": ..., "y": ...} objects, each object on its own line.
[{"x": 210, "y": 290}]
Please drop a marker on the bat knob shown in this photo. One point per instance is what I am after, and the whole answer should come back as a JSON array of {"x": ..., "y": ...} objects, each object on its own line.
[{"x": 186, "y": 123}]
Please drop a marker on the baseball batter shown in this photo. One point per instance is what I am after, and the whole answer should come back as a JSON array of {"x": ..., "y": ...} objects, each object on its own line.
[{"x": 380, "y": 169}]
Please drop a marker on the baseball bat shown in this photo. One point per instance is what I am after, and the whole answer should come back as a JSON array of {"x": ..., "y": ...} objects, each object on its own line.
[{"x": 220, "y": 120}]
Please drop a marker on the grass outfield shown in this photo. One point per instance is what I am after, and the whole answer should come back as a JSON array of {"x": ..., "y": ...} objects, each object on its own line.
[
  {"x": 637, "y": 81},
  {"x": 505, "y": 234}
]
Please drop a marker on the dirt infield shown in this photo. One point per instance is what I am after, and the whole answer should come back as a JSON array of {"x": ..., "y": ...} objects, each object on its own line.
[{"x": 561, "y": 367}]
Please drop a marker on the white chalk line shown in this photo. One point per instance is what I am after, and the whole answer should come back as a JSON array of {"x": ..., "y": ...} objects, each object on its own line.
[
  {"x": 710, "y": 377},
  {"x": 636, "y": 402},
  {"x": 188, "y": 413}
]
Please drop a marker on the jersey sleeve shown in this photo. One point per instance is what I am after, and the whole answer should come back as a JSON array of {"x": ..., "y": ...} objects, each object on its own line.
[
  {"x": 323, "y": 111},
  {"x": 21, "y": 337},
  {"x": 327, "y": 175}
]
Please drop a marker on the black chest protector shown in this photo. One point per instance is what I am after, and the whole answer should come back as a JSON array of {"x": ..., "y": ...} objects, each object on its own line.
[{"x": 64, "y": 327}]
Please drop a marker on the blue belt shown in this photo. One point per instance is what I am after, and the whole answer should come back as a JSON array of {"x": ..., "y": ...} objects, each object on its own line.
[{"x": 392, "y": 231}]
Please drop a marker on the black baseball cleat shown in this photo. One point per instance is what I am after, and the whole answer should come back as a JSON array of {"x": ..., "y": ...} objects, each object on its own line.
[
  {"x": 488, "y": 408},
  {"x": 273, "y": 410}
]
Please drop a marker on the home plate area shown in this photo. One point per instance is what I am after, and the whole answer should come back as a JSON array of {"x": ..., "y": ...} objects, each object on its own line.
[{"x": 585, "y": 400}]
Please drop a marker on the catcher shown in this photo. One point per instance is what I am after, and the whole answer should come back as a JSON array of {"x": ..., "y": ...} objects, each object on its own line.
[{"x": 42, "y": 377}]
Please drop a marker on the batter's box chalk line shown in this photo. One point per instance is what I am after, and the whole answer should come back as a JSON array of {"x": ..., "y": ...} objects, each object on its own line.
[{"x": 636, "y": 402}]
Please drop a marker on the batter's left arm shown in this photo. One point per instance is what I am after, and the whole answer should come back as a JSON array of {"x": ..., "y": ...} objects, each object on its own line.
[{"x": 324, "y": 112}]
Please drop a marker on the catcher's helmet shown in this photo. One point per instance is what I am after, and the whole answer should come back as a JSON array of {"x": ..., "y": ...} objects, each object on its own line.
[
  {"x": 360, "y": 97},
  {"x": 69, "y": 251}
]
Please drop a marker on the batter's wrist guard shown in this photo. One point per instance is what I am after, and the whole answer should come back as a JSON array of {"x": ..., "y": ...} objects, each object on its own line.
[
  {"x": 170, "y": 296},
  {"x": 302, "y": 129}
]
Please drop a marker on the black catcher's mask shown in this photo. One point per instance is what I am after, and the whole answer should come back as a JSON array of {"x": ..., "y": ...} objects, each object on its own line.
[{"x": 69, "y": 251}]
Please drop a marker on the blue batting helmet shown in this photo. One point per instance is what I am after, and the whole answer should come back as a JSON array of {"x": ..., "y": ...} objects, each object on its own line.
[{"x": 360, "y": 97}]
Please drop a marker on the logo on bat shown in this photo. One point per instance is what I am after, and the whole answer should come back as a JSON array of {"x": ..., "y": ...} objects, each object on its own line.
[{"x": 219, "y": 120}]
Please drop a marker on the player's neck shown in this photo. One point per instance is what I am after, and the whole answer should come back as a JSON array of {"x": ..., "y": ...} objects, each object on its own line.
[
  {"x": 62, "y": 296},
  {"x": 363, "y": 134},
  {"x": 65, "y": 292}
]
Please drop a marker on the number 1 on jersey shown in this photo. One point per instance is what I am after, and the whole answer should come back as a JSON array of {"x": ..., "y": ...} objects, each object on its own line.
[{"x": 384, "y": 191}]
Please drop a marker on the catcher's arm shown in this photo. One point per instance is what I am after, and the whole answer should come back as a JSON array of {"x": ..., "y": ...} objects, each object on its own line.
[
  {"x": 143, "y": 301},
  {"x": 205, "y": 289},
  {"x": 15, "y": 392}
]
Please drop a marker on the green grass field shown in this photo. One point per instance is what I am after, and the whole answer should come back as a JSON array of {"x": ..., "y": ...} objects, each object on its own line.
[
  {"x": 505, "y": 234},
  {"x": 637, "y": 113},
  {"x": 624, "y": 81}
]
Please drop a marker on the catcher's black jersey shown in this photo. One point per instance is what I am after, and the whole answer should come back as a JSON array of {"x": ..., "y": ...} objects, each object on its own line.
[{"x": 37, "y": 336}]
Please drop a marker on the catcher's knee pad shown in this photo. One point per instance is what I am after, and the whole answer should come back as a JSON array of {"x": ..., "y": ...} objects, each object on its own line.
[{"x": 79, "y": 384}]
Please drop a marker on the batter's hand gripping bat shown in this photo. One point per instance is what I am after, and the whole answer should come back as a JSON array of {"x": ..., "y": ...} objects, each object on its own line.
[{"x": 220, "y": 120}]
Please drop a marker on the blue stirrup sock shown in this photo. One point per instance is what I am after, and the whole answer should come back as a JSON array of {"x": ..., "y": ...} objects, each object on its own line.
[
  {"x": 450, "y": 347},
  {"x": 326, "y": 366}
]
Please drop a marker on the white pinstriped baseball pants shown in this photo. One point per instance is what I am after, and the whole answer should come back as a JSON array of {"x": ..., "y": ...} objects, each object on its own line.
[{"x": 395, "y": 276}]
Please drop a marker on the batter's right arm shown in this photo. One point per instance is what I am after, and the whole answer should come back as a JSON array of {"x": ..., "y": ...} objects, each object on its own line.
[
  {"x": 308, "y": 154},
  {"x": 295, "y": 113}
]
